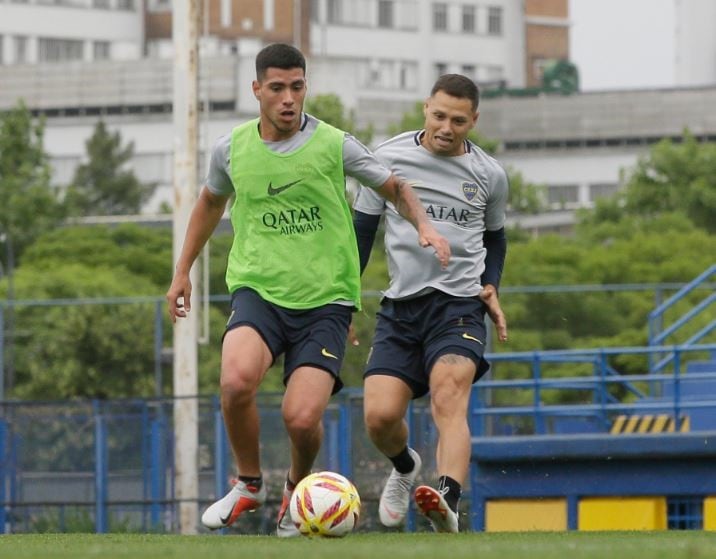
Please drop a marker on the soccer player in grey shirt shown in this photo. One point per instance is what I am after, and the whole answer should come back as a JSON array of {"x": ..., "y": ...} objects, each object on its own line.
[{"x": 430, "y": 333}]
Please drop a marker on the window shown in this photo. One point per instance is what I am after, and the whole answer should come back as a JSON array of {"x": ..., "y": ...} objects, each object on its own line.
[
  {"x": 125, "y": 5},
  {"x": 334, "y": 11},
  {"x": 468, "y": 70},
  {"x": 158, "y": 5},
  {"x": 493, "y": 73},
  {"x": 440, "y": 69},
  {"x": 20, "y": 50},
  {"x": 562, "y": 195},
  {"x": 468, "y": 19},
  {"x": 58, "y": 50},
  {"x": 440, "y": 22},
  {"x": 100, "y": 50},
  {"x": 385, "y": 13},
  {"x": 102, "y": 4},
  {"x": 494, "y": 20},
  {"x": 602, "y": 190}
]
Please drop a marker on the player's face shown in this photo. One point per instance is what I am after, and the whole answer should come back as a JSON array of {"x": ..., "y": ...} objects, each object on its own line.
[
  {"x": 448, "y": 120},
  {"x": 280, "y": 94}
]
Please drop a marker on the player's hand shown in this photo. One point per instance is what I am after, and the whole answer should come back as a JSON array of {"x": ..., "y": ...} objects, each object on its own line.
[
  {"x": 179, "y": 297},
  {"x": 428, "y": 236},
  {"x": 352, "y": 337},
  {"x": 489, "y": 297}
]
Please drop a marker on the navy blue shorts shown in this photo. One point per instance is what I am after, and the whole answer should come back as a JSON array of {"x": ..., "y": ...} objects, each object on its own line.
[
  {"x": 313, "y": 337},
  {"x": 412, "y": 334}
]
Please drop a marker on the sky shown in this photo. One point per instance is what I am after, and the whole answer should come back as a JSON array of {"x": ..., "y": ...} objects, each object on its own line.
[{"x": 622, "y": 44}]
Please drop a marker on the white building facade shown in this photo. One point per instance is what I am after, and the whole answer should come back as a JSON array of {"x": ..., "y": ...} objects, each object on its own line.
[
  {"x": 39, "y": 31},
  {"x": 393, "y": 49}
]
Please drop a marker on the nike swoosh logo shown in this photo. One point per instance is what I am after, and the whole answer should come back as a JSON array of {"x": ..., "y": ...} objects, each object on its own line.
[
  {"x": 327, "y": 353},
  {"x": 273, "y": 190},
  {"x": 225, "y": 520},
  {"x": 469, "y": 337}
]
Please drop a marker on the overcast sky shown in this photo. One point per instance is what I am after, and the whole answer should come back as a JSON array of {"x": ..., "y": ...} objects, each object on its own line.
[{"x": 622, "y": 44}]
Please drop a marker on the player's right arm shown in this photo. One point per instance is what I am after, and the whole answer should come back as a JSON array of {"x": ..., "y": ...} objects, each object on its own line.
[{"x": 204, "y": 218}]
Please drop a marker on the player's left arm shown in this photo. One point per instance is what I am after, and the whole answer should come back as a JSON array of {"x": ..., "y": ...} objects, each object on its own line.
[{"x": 495, "y": 243}]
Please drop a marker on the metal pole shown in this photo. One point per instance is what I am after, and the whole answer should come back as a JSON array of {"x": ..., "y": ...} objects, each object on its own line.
[{"x": 185, "y": 23}]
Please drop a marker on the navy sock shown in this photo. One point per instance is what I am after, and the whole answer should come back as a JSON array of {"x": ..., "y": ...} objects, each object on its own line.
[
  {"x": 452, "y": 495},
  {"x": 403, "y": 462}
]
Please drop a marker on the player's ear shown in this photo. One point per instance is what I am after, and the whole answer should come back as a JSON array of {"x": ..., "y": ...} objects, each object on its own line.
[
  {"x": 475, "y": 117},
  {"x": 256, "y": 88},
  {"x": 425, "y": 108}
]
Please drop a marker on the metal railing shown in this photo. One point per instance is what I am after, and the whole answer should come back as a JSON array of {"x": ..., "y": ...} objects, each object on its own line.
[{"x": 610, "y": 392}]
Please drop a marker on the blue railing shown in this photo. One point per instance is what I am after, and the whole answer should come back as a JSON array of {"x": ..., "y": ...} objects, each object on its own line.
[
  {"x": 612, "y": 393},
  {"x": 658, "y": 334}
]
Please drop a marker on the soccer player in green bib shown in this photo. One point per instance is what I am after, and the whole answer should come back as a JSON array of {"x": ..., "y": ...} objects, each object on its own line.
[{"x": 293, "y": 268}]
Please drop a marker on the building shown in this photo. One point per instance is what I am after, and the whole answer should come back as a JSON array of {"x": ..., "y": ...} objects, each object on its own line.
[
  {"x": 386, "y": 48},
  {"x": 40, "y": 31},
  {"x": 643, "y": 43}
]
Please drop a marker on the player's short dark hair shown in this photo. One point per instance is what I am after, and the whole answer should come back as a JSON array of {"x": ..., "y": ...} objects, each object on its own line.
[
  {"x": 279, "y": 55},
  {"x": 459, "y": 86}
]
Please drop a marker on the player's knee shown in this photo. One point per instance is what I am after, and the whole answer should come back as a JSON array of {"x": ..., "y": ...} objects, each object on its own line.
[
  {"x": 378, "y": 420},
  {"x": 301, "y": 422},
  {"x": 237, "y": 385},
  {"x": 448, "y": 399}
]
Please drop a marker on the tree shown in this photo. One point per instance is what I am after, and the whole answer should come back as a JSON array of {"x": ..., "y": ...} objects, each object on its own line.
[
  {"x": 29, "y": 205},
  {"x": 329, "y": 108},
  {"x": 103, "y": 185},
  {"x": 673, "y": 177}
]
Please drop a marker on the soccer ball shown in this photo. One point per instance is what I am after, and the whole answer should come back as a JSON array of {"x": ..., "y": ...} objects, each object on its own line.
[{"x": 325, "y": 504}]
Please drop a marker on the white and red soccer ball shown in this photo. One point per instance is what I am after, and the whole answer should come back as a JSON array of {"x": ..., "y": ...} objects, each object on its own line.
[{"x": 325, "y": 504}]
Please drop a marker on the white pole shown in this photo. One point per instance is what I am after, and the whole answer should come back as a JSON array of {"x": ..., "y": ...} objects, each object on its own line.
[{"x": 185, "y": 21}]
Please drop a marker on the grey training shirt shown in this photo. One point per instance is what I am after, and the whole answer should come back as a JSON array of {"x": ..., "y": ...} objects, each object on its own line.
[{"x": 464, "y": 196}]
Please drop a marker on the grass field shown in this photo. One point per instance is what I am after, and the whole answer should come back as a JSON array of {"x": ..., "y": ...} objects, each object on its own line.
[{"x": 567, "y": 545}]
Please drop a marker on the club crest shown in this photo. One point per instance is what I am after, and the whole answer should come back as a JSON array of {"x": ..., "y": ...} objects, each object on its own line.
[{"x": 469, "y": 189}]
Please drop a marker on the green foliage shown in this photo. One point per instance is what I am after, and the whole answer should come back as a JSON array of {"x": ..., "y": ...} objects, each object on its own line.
[
  {"x": 92, "y": 351},
  {"x": 103, "y": 185},
  {"x": 28, "y": 204},
  {"x": 673, "y": 177},
  {"x": 140, "y": 250},
  {"x": 524, "y": 197},
  {"x": 330, "y": 109}
]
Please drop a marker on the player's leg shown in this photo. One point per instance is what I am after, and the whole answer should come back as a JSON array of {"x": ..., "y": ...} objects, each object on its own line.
[
  {"x": 393, "y": 377},
  {"x": 244, "y": 361},
  {"x": 307, "y": 394},
  {"x": 252, "y": 339},
  {"x": 311, "y": 373},
  {"x": 385, "y": 403},
  {"x": 453, "y": 357},
  {"x": 450, "y": 384}
]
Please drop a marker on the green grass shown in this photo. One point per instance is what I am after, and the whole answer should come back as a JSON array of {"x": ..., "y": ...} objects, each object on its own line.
[{"x": 571, "y": 545}]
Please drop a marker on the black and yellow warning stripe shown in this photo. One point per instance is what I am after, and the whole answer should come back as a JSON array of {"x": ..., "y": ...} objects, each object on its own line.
[{"x": 647, "y": 424}]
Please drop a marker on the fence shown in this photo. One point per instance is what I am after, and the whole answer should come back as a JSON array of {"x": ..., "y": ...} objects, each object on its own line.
[{"x": 107, "y": 465}]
